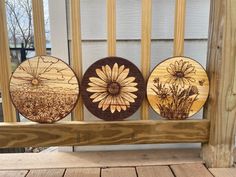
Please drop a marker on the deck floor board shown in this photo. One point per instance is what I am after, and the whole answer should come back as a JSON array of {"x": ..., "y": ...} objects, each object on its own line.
[
  {"x": 119, "y": 172},
  {"x": 223, "y": 172},
  {"x": 191, "y": 170},
  {"x": 179, "y": 170},
  {"x": 46, "y": 173},
  {"x": 154, "y": 171}
]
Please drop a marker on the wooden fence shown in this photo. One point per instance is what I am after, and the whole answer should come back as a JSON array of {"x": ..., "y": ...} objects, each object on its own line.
[{"x": 216, "y": 131}]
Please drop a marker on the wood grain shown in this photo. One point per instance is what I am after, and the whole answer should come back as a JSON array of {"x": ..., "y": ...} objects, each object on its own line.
[
  {"x": 111, "y": 27},
  {"x": 180, "y": 8},
  {"x": 82, "y": 172},
  {"x": 118, "y": 172},
  {"x": 220, "y": 109},
  {"x": 99, "y": 159},
  {"x": 190, "y": 170},
  {"x": 177, "y": 88},
  {"x": 46, "y": 173},
  {"x": 18, "y": 173},
  {"x": 154, "y": 171},
  {"x": 44, "y": 89},
  {"x": 102, "y": 133},
  {"x": 146, "y": 48},
  {"x": 223, "y": 172},
  {"x": 9, "y": 113},
  {"x": 113, "y": 88},
  {"x": 39, "y": 27},
  {"x": 76, "y": 47}
]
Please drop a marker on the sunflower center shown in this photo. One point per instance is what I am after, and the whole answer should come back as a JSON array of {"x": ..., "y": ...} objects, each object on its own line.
[
  {"x": 113, "y": 88},
  {"x": 179, "y": 74},
  {"x": 163, "y": 96},
  {"x": 35, "y": 82}
]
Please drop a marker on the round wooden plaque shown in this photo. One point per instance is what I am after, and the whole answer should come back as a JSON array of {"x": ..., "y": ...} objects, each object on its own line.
[
  {"x": 44, "y": 89},
  {"x": 177, "y": 88},
  {"x": 113, "y": 88}
]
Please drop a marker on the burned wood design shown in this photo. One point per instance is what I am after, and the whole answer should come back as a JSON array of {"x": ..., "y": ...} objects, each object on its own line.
[
  {"x": 44, "y": 89},
  {"x": 113, "y": 88},
  {"x": 178, "y": 88}
]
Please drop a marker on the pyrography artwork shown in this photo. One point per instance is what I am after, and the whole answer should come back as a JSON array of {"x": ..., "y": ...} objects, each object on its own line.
[
  {"x": 113, "y": 88},
  {"x": 44, "y": 89},
  {"x": 177, "y": 88}
]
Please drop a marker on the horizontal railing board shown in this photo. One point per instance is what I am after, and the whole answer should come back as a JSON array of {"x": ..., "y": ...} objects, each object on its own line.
[{"x": 103, "y": 133}]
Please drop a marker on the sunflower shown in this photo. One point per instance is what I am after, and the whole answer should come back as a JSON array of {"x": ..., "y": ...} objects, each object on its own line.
[
  {"x": 180, "y": 73},
  {"x": 112, "y": 88},
  {"x": 161, "y": 91}
]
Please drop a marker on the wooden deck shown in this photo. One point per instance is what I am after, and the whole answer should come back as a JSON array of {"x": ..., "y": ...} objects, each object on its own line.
[
  {"x": 142, "y": 163},
  {"x": 180, "y": 170}
]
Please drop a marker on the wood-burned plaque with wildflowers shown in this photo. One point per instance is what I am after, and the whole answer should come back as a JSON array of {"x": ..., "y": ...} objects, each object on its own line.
[
  {"x": 177, "y": 88},
  {"x": 44, "y": 89},
  {"x": 113, "y": 88}
]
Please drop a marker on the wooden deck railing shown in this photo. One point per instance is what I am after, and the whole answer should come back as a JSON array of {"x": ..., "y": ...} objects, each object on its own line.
[{"x": 216, "y": 131}]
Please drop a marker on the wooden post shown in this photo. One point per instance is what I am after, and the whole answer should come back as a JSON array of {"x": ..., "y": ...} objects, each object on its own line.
[
  {"x": 111, "y": 27},
  {"x": 39, "y": 27},
  {"x": 146, "y": 48},
  {"x": 78, "y": 113},
  {"x": 9, "y": 113},
  {"x": 221, "y": 67},
  {"x": 180, "y": 8}
]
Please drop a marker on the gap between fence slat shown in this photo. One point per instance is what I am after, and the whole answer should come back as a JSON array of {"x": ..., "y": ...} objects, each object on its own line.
[
  {"x": 146, "y": 48},
  {"x": 78, "y": 113},
  {"x": 9, "y": 113},
  {"x": 180, "y": 12},
  {"x": 39, "y": 27},
  {"x": 111, "y": 27}
]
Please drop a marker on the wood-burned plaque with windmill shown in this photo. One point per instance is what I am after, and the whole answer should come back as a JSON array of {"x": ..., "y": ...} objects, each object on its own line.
[
  {"x": 44, "y": 89},
  {"x": 113, "y": 88},
  {"x": 177, "y": 88}
]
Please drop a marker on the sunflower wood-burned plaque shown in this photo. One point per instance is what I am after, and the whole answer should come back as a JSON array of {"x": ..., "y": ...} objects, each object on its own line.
[
  {"x": 44, "y": 89},
  {"x": 177, "y": 88},
  {"x": 113, "y": 88}
]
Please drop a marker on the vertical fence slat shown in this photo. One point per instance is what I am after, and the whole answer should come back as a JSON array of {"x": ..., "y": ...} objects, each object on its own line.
[
  {"x": 39, "y": 27},
  {"x": 180, "y": 9},
  {"x": 76, "y": 48},
  {"x": 5, "y": 67},
  {"x": 111, "y": 27},
  {"x": 146, "y": 48}
]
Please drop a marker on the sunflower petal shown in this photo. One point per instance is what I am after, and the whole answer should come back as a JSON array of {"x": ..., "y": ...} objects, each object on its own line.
[
  {"x": 100, "y": 104},
  {"x": 190, "y": 69},
  {"x": 101, "y": 74},
  {"x": 118, "y": 107},
  {"x": 108, "y": 71},
  {"x": 121, "y": 102},
  {"x": 123, "y": 75},
  {"x": 100, "y": 97},
  {"x": 113, "y": 105},
  {"x": 121, "y": 69},
  {"x": 98, "y": 81},
  {"x": 132, "y": 95},
  {"x": 129, "y": 89},
  {"x": 96, "y": 89},
  {"x": 115, "y": 72},
  {"x": 127, "y": 81},
  {"x": 95, "y": 95},
  {"x": 132, "y": 84},
  {"x": 91, "y": 84},
  {"x": 107, "y": 102},
  {"x": 127, "y": 97}
]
